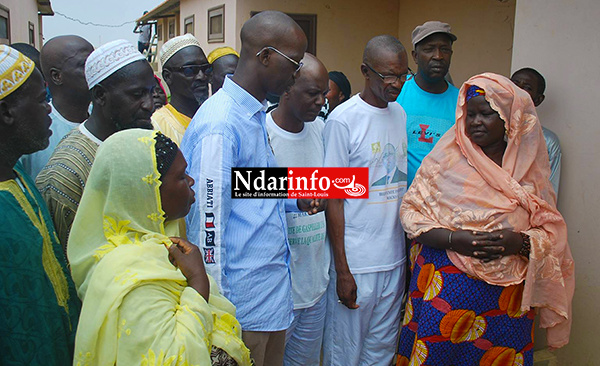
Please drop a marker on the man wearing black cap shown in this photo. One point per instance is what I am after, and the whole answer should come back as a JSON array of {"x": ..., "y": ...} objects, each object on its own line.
[
  {"x": 428, "y": 99},
  {"x": 339, "y": 89}
]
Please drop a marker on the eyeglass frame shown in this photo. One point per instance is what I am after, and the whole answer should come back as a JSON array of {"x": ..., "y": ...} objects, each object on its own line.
[
  {"x": 207, "y": 72},
  {"x": 406, "y": 76},
  {"x": 296, "y": 63}
]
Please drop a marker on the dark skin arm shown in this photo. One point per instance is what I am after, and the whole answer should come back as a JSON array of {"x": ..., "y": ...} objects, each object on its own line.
[
  {"x": 312, "y": 206},
  {"x": 486, "y": 246},
  {"x": 346, "y": 286},
  {"x": 187, "y": 257}
]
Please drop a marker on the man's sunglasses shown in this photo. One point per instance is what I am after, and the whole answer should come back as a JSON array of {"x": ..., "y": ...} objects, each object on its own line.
[{"x": 193, "y": 70}]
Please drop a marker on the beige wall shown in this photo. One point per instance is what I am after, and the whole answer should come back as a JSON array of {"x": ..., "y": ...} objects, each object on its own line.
[
  {"x": 558, "y": 38},
  {"x": 21, "y": 13},
  {"x": 200, "y": 11},
  {"x": 343, "y": 28},
  {"x": 484, "y": 29}
]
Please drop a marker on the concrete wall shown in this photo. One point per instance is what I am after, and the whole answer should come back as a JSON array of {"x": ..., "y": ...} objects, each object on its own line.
[
  {"x": 552, "y": 36},
  {"x": 484, "y": 29},
  {"x": 21, "y": 13},
  {"x": 343, "y": 28},
  {"x": 200, "y": 11}
]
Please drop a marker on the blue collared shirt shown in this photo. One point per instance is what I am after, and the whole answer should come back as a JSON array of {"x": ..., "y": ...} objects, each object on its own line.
[{"x": 244, "y": 241}]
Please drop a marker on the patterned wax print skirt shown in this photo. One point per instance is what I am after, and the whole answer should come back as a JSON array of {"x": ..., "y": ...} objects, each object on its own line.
[{"x": 454, "y": 319}]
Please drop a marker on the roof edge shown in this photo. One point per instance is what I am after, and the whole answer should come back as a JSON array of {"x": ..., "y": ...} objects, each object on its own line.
[{"x": 45, "y": 7}]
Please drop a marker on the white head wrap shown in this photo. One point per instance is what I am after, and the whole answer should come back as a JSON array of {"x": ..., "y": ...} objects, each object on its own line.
[
  {"x": 109, "y": 58},
  {"x": 175, "y": 44},
  {"x": 15, "y": 69}
]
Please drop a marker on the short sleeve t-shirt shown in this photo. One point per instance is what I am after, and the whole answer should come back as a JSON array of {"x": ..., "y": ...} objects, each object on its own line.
[
  {"x": 310, "y": 254},
  {"x": 429, "y": 116},
  {"x": 360, "y": 135}
]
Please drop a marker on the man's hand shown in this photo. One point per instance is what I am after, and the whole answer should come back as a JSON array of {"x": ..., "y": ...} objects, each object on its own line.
[
  {"x": 312, "y": 206},
  {"x": 346, "y": 289}
]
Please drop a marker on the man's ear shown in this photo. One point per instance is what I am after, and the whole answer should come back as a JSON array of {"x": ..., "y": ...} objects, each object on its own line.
[
  {"x": 166, "y": 74},
  {"x": 6, "y": 115},
  {"x": 414, "y": 56},
  {"x": 99, "y": 95},
  {"x": 539, "y": 99},
  {"x": 341, "y": 96},
  {"x": 55, "y": 76},
  {"x": 264, "y": 56},
  {"x": 364, "y": 70},
  {"x": 287, "y": 93}
]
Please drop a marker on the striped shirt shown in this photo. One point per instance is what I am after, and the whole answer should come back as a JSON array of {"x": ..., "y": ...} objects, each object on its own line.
[
  {"x": 244, "y": 241},
  {"x": 62, "y": 180}
]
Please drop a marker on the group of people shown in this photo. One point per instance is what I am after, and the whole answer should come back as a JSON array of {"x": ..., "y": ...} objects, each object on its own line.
[{"x": 123, "y": 244}]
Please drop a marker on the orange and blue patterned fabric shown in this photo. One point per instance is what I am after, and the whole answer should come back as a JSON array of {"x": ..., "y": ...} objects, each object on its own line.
[{"x": 455, "y": 319}]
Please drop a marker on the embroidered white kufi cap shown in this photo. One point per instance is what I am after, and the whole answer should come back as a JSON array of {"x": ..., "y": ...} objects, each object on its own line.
[
  {"x": 108, "y": 59},
  {"x": 174, "y": 45}
]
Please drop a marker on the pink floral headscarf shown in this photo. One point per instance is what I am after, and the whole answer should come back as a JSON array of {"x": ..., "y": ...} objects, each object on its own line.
[{"x": 459, "y": 188}]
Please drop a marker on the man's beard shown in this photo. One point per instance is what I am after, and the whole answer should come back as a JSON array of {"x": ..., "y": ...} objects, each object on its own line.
[{"x": 201, "y": 97}]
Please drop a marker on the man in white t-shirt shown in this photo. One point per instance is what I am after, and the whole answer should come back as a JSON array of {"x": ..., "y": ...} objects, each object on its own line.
[
  {"x": 367, "y": 282},
  {"x": 296, "y": 137}
]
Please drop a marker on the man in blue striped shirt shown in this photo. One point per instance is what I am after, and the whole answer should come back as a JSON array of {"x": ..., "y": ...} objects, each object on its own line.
[{"x": 244, "y": 241}]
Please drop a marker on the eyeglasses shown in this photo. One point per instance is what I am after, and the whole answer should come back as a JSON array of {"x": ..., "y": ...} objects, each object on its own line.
[
  {"x": 391, "y": 79},
  {"x": 296, "y": 63},
  {"x": 193, "y": 70}
]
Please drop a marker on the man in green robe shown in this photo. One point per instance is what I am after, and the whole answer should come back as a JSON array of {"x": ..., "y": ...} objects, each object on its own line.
[{"x": 39, "y": 304}]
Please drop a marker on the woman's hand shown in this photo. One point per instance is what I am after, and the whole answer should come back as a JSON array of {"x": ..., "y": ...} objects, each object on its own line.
[
  {"x": 187, "y": 257},
  {"x": 476, "y": 244},
  {"x": 511, "y": 241},
  {"x": 486, "y": 246}
]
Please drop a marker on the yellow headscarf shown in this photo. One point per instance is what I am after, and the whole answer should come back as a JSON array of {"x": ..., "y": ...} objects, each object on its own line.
[
  {"x": 217, "y": 53},
  {"x": 137, "y": 308}
]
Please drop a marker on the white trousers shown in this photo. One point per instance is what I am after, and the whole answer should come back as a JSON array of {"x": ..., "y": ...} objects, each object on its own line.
[
  {"x": 305, "y": 336},
  {"x": 367, "y": 335}
]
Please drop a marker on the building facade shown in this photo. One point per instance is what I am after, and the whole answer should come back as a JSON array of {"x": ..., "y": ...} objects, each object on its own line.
[
  {"x": 21, "y": 21},
  {"x": 338, "y": 30}
]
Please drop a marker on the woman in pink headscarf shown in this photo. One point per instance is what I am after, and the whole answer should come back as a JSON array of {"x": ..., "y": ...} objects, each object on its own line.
[{"x": 489, "y": 244}]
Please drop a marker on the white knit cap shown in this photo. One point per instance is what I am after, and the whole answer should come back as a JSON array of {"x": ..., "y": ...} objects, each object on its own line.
[
  {"x": 108, "y": 59},
  {"x": 15, "y": 69},
  {"x": 175, "y": 44}
]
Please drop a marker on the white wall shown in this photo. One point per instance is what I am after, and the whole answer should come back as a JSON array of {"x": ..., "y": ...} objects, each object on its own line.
[{"x": 559, "y": 39}]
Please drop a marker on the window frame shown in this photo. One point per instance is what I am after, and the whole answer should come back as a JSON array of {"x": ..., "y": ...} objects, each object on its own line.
[
  {"x": 31, "y": 32},
  {"x": 159, "y": 32},
  {"x": 5, "y": 10},
  {"x": 214, "y": 37},
  {"x": 187, "y": 21},
  {"x": 170, "y": 22}
]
